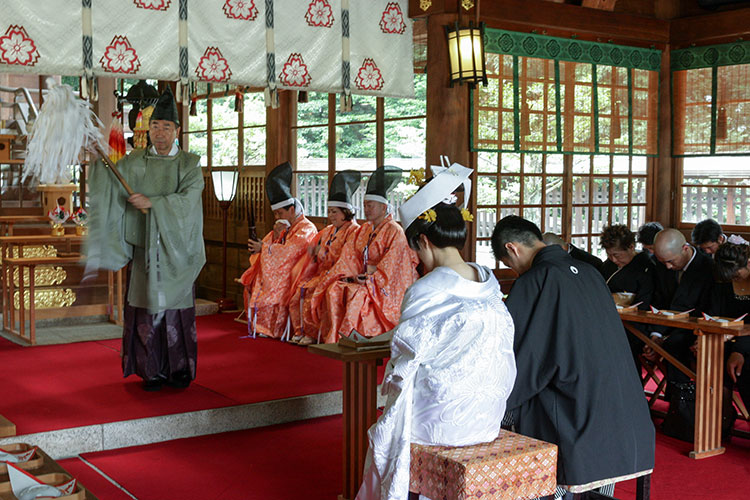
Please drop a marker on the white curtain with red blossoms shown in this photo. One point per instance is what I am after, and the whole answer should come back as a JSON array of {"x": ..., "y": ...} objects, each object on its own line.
[
  {"x": 307, "y": 40},
  {"x": 138, "y": 38},
  {"x": 312, "y": 45},
  {"x": 35, "y": 37},
  {"x": 381, "y": 44}
]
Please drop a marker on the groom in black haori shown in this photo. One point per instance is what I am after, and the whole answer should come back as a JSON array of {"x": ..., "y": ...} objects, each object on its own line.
[
  {"x": 576, "y": 386},
  {"x": 158, "y": 233}
]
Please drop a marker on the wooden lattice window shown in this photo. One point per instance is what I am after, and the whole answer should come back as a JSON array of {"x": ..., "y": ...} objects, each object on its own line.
[{"x": 572, "y": 195}]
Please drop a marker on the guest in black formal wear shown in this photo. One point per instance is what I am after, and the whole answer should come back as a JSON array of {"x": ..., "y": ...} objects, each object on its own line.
[
  {"x": 708, "y": 235},
  {"x": 730, "y": 297},
  {"x": 626, "y": 270},
  {"x": 683, "y": 282},
  {"x": 573, "y": 251},
  {"x": 646, "y": 235}
]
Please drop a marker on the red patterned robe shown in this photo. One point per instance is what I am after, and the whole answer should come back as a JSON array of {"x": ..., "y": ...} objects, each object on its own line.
[
  {"x": 271, "y": 276},
  {"x": 374, "y": 307},
  {"x": 305, "y": 307}
]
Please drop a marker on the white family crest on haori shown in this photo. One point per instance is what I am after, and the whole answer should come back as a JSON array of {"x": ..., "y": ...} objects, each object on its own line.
[
  {"x": 27, "y": 487},
  {"x": 333, "y": 46}
]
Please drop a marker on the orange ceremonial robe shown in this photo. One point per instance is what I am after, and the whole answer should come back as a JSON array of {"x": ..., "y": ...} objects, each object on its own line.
[
  {"x": 374, "y": 307},
  {"x": 271, "y": 277},
  {"x": 305, "y": 312}
]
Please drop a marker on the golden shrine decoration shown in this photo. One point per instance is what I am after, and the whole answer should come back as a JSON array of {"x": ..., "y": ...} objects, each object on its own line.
[
  {"x": 425, "y": 4},
  {"x": 45, "y": 275},
  {"x": 49, "y": 298},
  {"x": 33, "y": 251},
  {"x": 467, "y": 4}
]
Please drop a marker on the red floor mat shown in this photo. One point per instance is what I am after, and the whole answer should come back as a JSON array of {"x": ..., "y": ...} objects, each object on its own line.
[
  {"x": 92, "y": 480},
  {"x": 303, "y": 461},
  {"x": 283, "y": 462},
  {"x": 62, "y": 386}
]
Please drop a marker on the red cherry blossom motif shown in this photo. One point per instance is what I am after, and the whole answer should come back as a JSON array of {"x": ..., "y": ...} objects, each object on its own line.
[
  {"x": 17, "y": 48},
  {"x": 240, "y": 9},
  {"x": 152, "y": 4},
  {"x": 369, "y": 76},
  {"x": 319, "y": 14},
  {"x": 393, "y": 19},
  {"x": 295, "y": 73},
  {"x": 120, "y": 57},
  {"x": 213, "y": 67}
]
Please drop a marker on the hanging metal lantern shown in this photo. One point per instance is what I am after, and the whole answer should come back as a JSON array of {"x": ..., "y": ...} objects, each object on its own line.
[{"x": 466, "y": 54}]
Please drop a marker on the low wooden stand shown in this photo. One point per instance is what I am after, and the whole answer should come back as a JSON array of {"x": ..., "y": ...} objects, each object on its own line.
[
  {"x": 48, "y": 467},
  {"x": 360, "y": 406},
  {"x": 7, "y": 428},
  {"x": 70, "y": 311}
]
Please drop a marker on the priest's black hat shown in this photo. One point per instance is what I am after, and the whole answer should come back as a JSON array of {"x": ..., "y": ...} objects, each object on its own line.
[
  {"x": 381, "y": 182},
  {"x": 343, "y": 186},
  {"x": 279, "y": 186},
  {"x": 166, "y": 108}
]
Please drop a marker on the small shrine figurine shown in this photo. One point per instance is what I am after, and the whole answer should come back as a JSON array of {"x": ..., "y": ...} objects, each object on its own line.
[
  {"x": 58, "y": 216},
  {"x": 81, "y": 219}
]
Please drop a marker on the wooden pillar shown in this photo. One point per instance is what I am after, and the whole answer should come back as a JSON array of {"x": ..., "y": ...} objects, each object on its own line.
[
  {"x": 278, "y": 139},
  {"x": 447, "y": 112},
  {"x": 664, "y": 192},
  {"x": 447, "y": 107}
]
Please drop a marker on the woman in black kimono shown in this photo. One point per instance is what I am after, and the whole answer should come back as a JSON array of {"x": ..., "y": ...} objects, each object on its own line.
[
  {"x": 730, "y": 297},
  {"x": 626, "y": 270}
]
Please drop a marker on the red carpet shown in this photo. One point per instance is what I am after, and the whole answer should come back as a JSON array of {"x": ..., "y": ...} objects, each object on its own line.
[
  {"x": 290, "y": 461},
  {"x": 303, "y": 461},
  {"x": 62, "y": 386},
  {"x": 92, "y": 480}
]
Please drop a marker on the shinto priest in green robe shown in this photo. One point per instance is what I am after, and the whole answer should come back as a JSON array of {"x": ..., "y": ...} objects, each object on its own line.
[{"x": 163, "y": 249}]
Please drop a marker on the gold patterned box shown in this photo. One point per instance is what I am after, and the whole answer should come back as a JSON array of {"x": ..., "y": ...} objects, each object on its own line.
[{"x": 512, "y": 467}]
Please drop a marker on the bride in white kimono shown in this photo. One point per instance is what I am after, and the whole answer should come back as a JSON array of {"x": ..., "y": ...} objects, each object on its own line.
[{"x": 452, "y": 365}]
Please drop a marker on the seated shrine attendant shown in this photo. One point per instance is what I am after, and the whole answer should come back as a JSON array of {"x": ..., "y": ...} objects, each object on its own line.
[
  {"x": 451, "y": 366},
  {"x": 322, "y": 255},
  {"x": 373, "y": 271},
  {"x": 731, "y": 298},
  {"x": 269, "y": 279},
  {"x": 576, "y": 386}
]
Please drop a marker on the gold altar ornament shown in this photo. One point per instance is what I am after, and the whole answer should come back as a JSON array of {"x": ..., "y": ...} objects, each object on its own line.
[
  {"x": 45, "y": 275},
  {"x": 46, "y": 299},
  {"x": 425, "y": 4},
  {"x": 82, "y": 230},
  {"x": 467, "y": 4},
  {"x": 58, "y": 230},
  {"x": 33, "y": 251}
]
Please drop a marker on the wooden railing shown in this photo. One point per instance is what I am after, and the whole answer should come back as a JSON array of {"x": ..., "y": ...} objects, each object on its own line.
[
  {"x": 725, "y": 203},
  {"x": 250, "y": 192},
  {"x": 312, "y": 191}
]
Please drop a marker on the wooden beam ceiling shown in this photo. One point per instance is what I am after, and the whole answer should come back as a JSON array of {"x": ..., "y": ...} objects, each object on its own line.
[{"x": 600, "y": 4}]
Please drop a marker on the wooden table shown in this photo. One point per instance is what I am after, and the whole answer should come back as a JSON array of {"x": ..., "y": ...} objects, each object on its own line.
[
  {"x": 7, "y": 222},
  {"x": 708, "y": 375},
  {"x": 360, "y": 406},
  {"x": 50, "y": 466}
]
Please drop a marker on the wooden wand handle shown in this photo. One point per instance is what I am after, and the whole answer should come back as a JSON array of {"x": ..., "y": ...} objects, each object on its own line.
[{"x": 114, "y": 170}]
